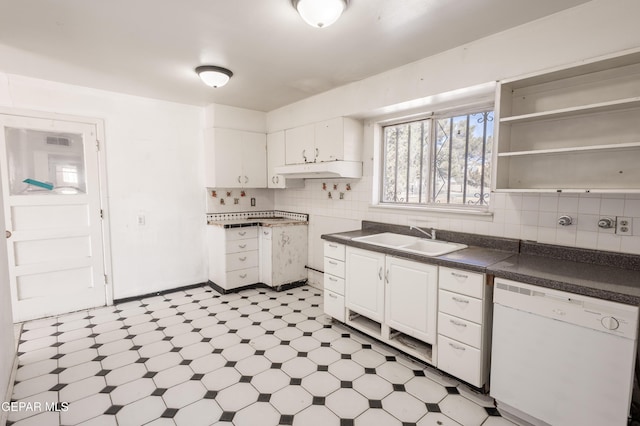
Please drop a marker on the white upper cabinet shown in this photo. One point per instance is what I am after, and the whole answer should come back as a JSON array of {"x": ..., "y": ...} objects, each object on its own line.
[
  {"x": 331, "y": 140},
  {"x": 574, "y": 129},
  {"x": 235, "y": 158},
  {"x": 276, "y": 158}
]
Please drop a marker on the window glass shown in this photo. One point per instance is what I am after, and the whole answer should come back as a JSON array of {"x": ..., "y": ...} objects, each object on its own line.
[
  {"x": 44, "y": 162},
  {"x": 454, "y": 170}
]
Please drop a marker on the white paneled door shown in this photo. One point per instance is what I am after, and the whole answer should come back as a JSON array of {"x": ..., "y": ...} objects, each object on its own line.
[{"x": 52, "y": 203}]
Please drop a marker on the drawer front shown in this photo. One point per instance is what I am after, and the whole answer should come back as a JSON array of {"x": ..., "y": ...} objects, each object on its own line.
[
  {"x": 460, "y": 306},
  {"x": 463, "y": 282},
  {"x": 460, "y": 360},
  {"x": 334, "y": 284},
  {"x": 244, "y": 260},
  {"x": 461, "y": 330},
  {"x": 242, "y": 277},
  {"x": 237, "y": 246},
  {"x": 334, "y": 250},
  {"x": 334, "y": 267},
  {"x": 242, "y": 233},
  {"x": 334, "y": 305}
]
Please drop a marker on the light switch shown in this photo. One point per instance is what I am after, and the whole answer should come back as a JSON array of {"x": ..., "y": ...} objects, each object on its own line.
[{"x": 142, "y": 220}]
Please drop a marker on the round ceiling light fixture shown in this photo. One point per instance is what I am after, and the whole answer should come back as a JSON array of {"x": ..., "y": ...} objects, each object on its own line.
[
  {"x": 320, "y": 13},
  {"x": 214, "y": 76}
]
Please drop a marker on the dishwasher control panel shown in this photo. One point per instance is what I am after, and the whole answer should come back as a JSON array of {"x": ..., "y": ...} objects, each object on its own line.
[{"x": 603, "y": 315}]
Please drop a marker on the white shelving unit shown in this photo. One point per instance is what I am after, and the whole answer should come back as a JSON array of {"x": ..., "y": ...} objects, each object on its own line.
[{"x": 573, "y": 129}]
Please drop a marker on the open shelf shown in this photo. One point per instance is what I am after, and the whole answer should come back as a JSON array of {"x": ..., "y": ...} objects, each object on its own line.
[
  {"x": 411, "y": 346},
  {"x": 570, "y": 149},
  {"x": 575, "y": 129},
  {"x": 364, "y": 324},
  {"x": 619, "y": 104}
]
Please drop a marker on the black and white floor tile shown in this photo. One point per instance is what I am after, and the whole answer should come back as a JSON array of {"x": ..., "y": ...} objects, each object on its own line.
[{"x": 255, "y": 358}]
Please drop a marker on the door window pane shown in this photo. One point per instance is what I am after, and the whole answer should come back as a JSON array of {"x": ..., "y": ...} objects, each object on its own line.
[{"x": 45, "y": 162}]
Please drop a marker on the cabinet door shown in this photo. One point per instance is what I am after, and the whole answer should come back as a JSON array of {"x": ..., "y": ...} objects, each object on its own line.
[
  {"x": 411, "y": 298},
  {"x": 329, "y": 137},
  {"x": 223, "y": 158},
  {"x": 254, "y": 160},
  {"x": 275, "y": 158},
  {"x": 364, "y": 285},
  {"x": 300, "y": 144}
]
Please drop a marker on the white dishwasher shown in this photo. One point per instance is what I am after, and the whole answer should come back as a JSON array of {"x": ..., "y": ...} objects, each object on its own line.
[{"x": 561, "y": 359}]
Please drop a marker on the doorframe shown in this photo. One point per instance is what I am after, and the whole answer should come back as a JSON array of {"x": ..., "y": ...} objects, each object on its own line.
[{"x": 102, "y": 177}]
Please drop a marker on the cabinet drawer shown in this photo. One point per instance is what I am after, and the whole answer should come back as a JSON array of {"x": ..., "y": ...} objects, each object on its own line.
[
  {"x": 334, "y": 305},
  {"x": 334, "y": 267},
  {"x": 334, "y": 250},
  {"x": 461, "y": 330},
  {"x": 242, "y": 233},
  {"x": 237, "y": 246},
  {"x": 463, "y": 282},
  {"x": 244, "y": 260},
  {"x": 242, "y": 277},
  {"x": 334, "y": 284},
  {"x": 460, "y": 360},
  {"x": 460, "y": 306}
]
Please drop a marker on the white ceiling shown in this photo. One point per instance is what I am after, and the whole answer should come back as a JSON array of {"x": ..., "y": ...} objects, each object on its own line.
[{"x": 150, "y": 47}]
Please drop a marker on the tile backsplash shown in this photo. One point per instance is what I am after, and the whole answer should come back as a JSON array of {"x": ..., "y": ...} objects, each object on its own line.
[
  {"x": 523, "y": 216},
  {"x": 221, "y": 200}
]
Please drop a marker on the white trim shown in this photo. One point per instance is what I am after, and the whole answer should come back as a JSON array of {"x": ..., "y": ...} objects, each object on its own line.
[
  {"x": 102, "y": 173},
  {"x": 445, "y": 210}
]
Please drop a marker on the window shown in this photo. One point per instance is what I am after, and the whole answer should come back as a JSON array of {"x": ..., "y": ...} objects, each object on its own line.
[{"x": 441, "y": 160}]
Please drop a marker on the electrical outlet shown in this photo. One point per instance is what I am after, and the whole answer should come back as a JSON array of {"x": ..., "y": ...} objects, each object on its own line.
[
  {"x": 624, "y": 225},
  {"x": 142, "y": 220}
]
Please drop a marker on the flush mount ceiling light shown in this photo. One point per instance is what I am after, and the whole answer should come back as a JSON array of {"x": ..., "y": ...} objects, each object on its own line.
[
  {"x": 214, "y": 76},
  {"x": 320, "y": 13}
]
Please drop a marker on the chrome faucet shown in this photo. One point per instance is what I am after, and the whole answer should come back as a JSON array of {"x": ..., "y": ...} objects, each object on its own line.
[{"x": 431, "y": 235}]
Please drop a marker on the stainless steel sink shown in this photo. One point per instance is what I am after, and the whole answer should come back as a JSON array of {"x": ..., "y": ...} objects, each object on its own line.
[{"x": 411, "y": 244}]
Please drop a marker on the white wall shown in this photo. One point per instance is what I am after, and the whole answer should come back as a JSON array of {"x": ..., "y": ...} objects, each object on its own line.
[
  {"x": 596, "y": 28},
  {"x": 154, "y": 167}
]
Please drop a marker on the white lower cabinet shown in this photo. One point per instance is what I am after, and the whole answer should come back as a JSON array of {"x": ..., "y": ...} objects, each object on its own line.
[
  {"x": 437, "y": 314},
  {"x": 464, "y": 325},
  {"x": 392, "y": 299},
  {"x": 334, "y": 272},
  {"x": 365, "y": 283},
  {"x": 411, "y": 298},
  {"x": 233, "y": 256}
]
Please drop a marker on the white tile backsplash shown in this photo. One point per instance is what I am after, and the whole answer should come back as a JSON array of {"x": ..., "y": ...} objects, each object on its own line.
[{"x": 525, "y": 216}]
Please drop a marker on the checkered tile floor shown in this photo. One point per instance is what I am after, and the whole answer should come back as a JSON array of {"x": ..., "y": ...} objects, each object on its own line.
[{"x": 254, "y": 358}]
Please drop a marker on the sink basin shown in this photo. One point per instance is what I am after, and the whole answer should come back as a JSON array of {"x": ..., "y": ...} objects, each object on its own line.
[
  {"x": 411, "y": 244},
  {"x": 388, "y": 239},
  {"x": 432, "y": 248}
]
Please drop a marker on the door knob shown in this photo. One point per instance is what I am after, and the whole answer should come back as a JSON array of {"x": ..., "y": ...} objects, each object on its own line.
[{"x": 7, "y": 234}]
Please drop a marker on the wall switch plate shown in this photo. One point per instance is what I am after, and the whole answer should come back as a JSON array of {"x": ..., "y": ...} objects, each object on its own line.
[
  {"x": 253, "y": 202},
  {"x": 624, "y": 225},
  {"x": 142, "y": 220}
]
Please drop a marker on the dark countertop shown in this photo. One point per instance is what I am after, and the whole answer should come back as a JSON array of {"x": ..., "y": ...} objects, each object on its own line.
[
  {"x": 472, "y": 258},
  {"x": 588, "y": 279},
  {"x": 579, "y": 271}
]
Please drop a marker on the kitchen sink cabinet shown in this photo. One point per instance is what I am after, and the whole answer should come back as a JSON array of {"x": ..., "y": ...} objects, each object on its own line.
[
  {"x": 392, "y": 299},
  {"x": 330, "y": 140},
  {"x": 411, "y": 298},
  {"x": 572, "y": 129},
  {"x": 235, "y": 158},
  {"x": 364, "y": 293}
]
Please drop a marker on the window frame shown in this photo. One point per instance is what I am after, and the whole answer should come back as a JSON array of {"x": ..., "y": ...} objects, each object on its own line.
[{"x": 433, "y": 114}]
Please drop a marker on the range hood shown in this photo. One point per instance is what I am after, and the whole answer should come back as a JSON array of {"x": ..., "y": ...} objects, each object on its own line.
[{"x": 328, "y": 169}]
